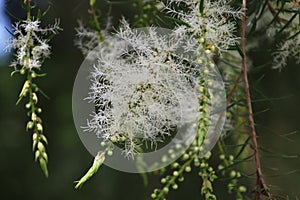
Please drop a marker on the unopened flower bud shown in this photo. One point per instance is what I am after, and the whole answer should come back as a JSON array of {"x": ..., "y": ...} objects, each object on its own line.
[
  {"x": 175, "y": 165},
  {"x": 153, "y": 195},
  {"x": 29, "y": 125},
  {"x": 175, "y": 186},
  {"x": 175, "y": 173},
  {"x": 159, "y": 6},
  {"x": 166, "y": 190},
  {"x": 45, "y": 156},
  {"x": 34, "y": 98},
  {"x": 27, "y": 105},
  {"x": 43, "y": 138},
  {"x": 35, "y": 137},
  {"x": 222, "y": 156},
  {"x": 33, "y": 117},
  {"x": 242, "y": 189},
  {"x": 37, "y": 155},
  {"x": 181, "y": 179},
  {"x": 185, "y": 156},
  {"x": 113, "y": 139},
  {"x": 102, "y": 144},
  {"x": 232, "y": 174},
  {"x": 24, "y": 89},
  {"x": 33, "y": 74},
  {"x": 207, "y": 51},
  {"x": 22, "y": 71},
  {"x": 188, "y": 169},
  {"x": 39, "y": 127},
  {"x": 110, "y": 153},
  {"x": 40, "y": 147}
]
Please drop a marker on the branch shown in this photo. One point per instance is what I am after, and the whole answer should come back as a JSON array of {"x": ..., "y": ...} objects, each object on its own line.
[
  {"x": 261, "y": 186},
  {"x": 235, "y": 86}
]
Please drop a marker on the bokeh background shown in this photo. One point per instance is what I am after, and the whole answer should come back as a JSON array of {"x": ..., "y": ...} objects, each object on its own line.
[{"x": 277, "y": 120}]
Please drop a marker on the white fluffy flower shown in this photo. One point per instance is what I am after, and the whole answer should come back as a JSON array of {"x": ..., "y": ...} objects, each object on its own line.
[
  {"x": 285, "y": 50},
  {"x": 29, "y": 43},
  {"x": 87, "y": 39},
  {"x": 212, "y": 25},
  {"x": 141, "y": 89}
]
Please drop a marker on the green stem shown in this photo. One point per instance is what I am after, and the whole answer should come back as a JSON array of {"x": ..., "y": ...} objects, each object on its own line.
[
  {"x": 173, "y": 179},
  {"x": 96, "y": 21},
  {"x": 28, "y": 7}
]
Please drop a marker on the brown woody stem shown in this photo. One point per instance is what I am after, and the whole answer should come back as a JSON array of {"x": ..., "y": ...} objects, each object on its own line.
[{"x": 261, "y": 186}]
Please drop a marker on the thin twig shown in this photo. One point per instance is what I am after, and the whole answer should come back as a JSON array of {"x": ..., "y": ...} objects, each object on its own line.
[
  {"x": 261, "y": 186},
  {"x": 235, "y": 86},
  {"x": 28, "y": 8},
  {"x": 274, "y": 13},
  {"x": 92, "y": 11}
]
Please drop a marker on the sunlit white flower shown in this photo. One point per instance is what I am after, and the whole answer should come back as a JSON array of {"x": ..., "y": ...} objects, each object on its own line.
[{"x": 141, "y": 89}]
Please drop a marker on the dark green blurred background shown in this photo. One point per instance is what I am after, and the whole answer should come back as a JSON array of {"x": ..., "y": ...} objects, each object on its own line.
[{"x": 21, "y": 178}]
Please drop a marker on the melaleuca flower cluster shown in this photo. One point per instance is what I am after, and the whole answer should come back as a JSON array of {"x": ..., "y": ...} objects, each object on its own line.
[
  {"x": 87, "y": 39},
  {"x": 287, "y": 49},
  {"x": 31, "y": 43},
  {"x": 214, "y": 21},
  {"x": 142, "y": 88}
]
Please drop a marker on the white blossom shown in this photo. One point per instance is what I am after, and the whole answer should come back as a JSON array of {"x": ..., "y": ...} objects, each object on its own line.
[
  {"x": 212, "y": 25},
  {"x": 141, "y": 89},
  {"x": 285, "y": 50},
  {"x": 30, "y": 43},
  {"x": 87, "y": 39}
]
